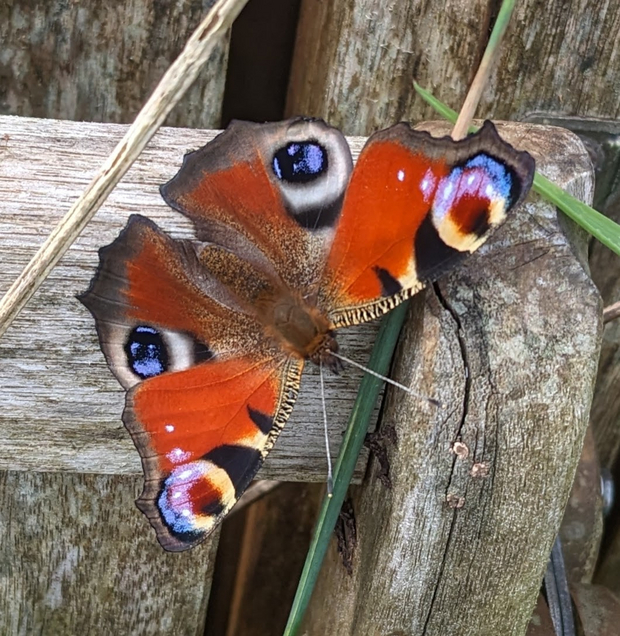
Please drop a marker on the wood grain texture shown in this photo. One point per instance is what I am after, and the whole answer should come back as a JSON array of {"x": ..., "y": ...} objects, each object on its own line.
[
  {"x": 98, "y": 61},
  {"x": 560, "y": 57},
  {"x": 61, "y": 405},
  {"x": 355, "y": 61},
  {"x": 509, "y": 343},
  {"x": 73, "y": 561}
]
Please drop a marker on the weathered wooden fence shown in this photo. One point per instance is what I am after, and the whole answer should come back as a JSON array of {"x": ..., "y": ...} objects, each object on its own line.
[{"x": 459, "y": 543}]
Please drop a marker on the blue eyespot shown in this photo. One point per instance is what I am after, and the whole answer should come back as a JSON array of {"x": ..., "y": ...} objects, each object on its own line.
[
  {"x": 146, "y": 352},
  {"x": 300, "y": 162},
  {"x": 499, "y": 174}
]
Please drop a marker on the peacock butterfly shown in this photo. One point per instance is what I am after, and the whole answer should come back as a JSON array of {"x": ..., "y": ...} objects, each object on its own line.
[{"x": 209, "y": 337}]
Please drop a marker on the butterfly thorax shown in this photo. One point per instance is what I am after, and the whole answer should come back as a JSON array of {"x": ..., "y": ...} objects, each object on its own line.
[{"x": 301, "y": 329}]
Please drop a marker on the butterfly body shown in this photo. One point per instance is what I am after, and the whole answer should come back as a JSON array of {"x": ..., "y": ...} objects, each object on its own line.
[
  {"x": 210, "y": 336},
  {"x": 301, "y": 330}
]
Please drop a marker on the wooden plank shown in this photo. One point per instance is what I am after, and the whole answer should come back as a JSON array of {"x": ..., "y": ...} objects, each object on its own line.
[
  {"x": 355, "y": 61},
  {"x": 61, "y": 406},
  {"x": 76, "y": 555},
  {"x": 72, "y": 561},
  {"x": 510, "y": 344},
  {"x": 97, "y": 61},
  {"x": 565, "y": 64}
]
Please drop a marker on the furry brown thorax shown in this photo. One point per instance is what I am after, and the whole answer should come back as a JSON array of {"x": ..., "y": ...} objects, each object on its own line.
[{"x": 301, "y": 329}]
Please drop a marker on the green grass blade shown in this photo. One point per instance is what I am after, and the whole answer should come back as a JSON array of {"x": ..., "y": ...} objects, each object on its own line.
[
  {"x": 499, "y": 28},
  {"x": 598, "y": 225},
  {"x": 351, "y": 446}
]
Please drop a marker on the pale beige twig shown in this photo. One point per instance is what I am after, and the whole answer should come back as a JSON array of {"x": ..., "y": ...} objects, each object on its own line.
[
  {"x": 491, "y": 54},
  {"x": 178, "y": 78},
  {"x": 611, "y": 312}
]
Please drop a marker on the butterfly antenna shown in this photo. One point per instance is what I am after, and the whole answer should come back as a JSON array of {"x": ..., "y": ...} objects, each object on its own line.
[
  {"x": 330, "y": 475},
  {"x": 433, "y": 401}
]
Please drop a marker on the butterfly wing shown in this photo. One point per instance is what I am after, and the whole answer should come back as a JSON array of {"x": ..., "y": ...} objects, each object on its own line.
[
  {"x": 182, "y": 324},
  {"x": 203, "y": 434},
  {"x": 279, "y": 187},
  {"x": 207, "y": 396},
  {"x": 415, "y": 206}
]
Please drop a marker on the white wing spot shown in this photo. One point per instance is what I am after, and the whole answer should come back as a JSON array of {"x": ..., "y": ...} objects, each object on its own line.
[
  {"x": 401, "y": 175},
  {"x": 178, "y": 455},
  {"x": 427, "y": 184},
  {"x": 169, "y": 428}
]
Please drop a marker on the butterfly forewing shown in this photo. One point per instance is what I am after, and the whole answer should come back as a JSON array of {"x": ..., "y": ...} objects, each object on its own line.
[{"x": 270, "y": 192}]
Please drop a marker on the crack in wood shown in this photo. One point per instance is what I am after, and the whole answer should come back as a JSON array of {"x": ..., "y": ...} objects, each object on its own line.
[
  {"x": 457, "y": 438},
  {"x": 467, "y": 389}
]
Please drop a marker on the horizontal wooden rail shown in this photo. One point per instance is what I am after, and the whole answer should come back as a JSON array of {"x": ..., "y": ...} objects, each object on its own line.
[{"x": 61, "y": 407}]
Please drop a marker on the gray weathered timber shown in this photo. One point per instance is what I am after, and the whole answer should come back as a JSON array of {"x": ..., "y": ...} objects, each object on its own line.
[
  {"x": 61, "y": 406},
  {"x": 510, "y": 344},
  {"x": 99, "y": 61},
  {"x": 558, "y": 58},
  {"x": 355, "y": 61},
  {"x": 63, "y": 574},
  {"x": 76, "y": 557}
]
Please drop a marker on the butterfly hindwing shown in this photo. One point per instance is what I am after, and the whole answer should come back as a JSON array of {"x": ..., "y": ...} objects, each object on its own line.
[
  {"x": 415, "y": 206},
  {"x": 203, "y": 434}
]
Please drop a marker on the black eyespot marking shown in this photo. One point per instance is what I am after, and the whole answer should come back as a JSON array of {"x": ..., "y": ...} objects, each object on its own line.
[
  {"x": 262, "y": 421},
  {"x": 240, "y": 462},
  {"x": 480, "y": 224},
  {"x": 146, "y": 352},
  {"x": 214, "y": 508},
  {"x": 432, "y": 255},
  {"x": 300, "y": 162},
  {"x": 389, "y": 285}
]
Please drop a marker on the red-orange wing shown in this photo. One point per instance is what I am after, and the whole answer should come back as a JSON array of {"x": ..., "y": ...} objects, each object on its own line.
[
  {"x": 203, "y": 434},
  {"x": 271, "y": 193},
  {"x": 207, "y": 394},
  {"x": 415, "y": 206}
]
